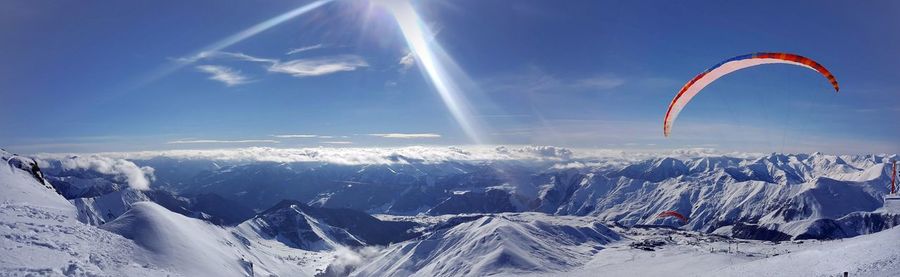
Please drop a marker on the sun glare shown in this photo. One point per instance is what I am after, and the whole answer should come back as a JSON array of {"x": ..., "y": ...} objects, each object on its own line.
[{"x": 435, "y": 63}]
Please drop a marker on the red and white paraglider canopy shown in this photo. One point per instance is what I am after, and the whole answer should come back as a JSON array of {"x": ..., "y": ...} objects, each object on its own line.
[
  {"x": 697, "y": 84},
  {"x": 675, "y": 214}
]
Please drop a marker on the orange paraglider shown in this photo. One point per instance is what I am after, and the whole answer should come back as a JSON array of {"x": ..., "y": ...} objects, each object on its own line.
[{"x": 675, "y": 214}]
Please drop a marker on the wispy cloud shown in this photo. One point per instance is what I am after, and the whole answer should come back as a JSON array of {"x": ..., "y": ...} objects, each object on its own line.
[
  {"x": 319, "y": 66},
  {"x": 407, "y": 136},
  {"x": 336, "y": 142},
  {"x": 878, "y": 110},
  {"x": 197, "y": 141},
  {"x": 226, "y": 75},
  {"x": 304, "y": 49},
  {"x": 300, "y": 68},
  {"x": 296, "y": 136},
  {"x": 407, "y": 61},
  {"x": 137, "y": 177},
  {"x": 242, "y": 57},
  {"x": 307, "y": 136},
  {"x": 217, "y": 55},
  {"x": 599, "y": 82},
  {"x": 505, "y": 115},
  {"x": 536, "y": 80}
]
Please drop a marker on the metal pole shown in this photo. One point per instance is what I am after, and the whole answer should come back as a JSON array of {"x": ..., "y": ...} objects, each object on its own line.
[{"x": 893, "y": 176}]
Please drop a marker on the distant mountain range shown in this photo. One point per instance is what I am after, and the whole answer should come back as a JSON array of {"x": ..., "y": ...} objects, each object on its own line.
[
  {"x": 775, "y": 196},
  {"x": 447, "y": 217}
]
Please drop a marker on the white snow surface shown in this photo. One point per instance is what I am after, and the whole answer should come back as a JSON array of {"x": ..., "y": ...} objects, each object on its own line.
[
  {"x": 20, "y": 188},
  {"x": 871, "y": 255},
  {"x": 512, "y": 244},
  {"x": 328, "y": 234},
  {"x": 105, "y": 208},
  {"x": 195, "y": 247},
  {"x": 696, "y": 254},
  {"x": 493, "y": 244},
  {"x": 40, "y": 235},
  {"x": 788, "y": 193}
]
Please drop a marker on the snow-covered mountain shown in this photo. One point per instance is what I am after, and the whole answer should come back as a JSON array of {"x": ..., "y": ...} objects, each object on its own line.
[
  {"x": 775, "y": 196},
  {"x": 102, "y": 194},
  {"x": 209, "y": 207},
  {"x": 561, "y": 213},
  {"x": 315, "y": 228},
  {"x": 795, "y": 195},
  {"x": 40, "y": 234},
  {"x": 493, "y": 244},
  {"x": 196, "y": 248}
]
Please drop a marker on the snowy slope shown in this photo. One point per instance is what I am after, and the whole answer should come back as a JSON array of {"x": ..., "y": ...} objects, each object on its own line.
[
  {"x": 797, "y": 195},
  {"x": 40, "y": 235},
  {"x": 80, "y": 186},
  {"x": 105, "y": 208},
  {"x": 771, "y": 197},
  {"x": 793, "y": 194},
  {"x": 491, "y": 244},
  {"x": 682, "y": 253},
  {"x": 316, "y": 229},
  {"x": 871, "y": 255},
  {"x": 288, "y": 240},
  {"x": 785, "y": 193},
  {"x": 21, "y": 187},
  {"x": 195, "y": 247},
  {"x": 294, "y": 227},
  {"x": 100, "y": 198}
]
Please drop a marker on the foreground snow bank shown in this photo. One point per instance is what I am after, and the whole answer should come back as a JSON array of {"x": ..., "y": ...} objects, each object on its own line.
[
  {"x": 21, "y": 187},
  {"x": 40, "y": 236},
  {"x": 685, "y": 253},
  {"x": 199, "y": 248},
  {"x": 870, "y": 255},
  {"x": 190, "y": 245}
]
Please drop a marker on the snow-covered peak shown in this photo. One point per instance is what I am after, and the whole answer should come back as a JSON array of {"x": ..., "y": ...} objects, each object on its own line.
[
  {"x": 41, "y": 236},
  {"x": 23, "y": 183},
  {"x": 315, "y": 228},
  {"x": 179, "y": 242},
  {"x": 288, "y": 222},
  {"x": 654, "y": 170},
  {"x": 494, "y": 244}
]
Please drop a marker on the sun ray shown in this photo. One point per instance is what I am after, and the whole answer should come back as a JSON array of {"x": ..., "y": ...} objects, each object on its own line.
[
  {"x": 436, "y": 64},
  {"x": 233, "y": 39}
]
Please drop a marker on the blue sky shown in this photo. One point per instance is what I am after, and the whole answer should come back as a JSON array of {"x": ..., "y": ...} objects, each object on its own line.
[{"x": 84, "y": 76}]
